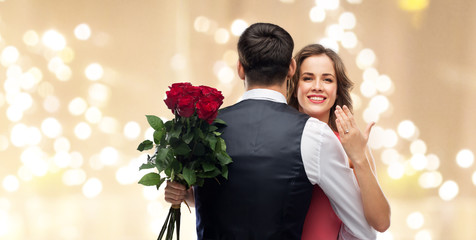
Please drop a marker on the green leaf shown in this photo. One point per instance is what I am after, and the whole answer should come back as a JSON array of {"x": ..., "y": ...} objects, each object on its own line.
[
  {"x": 210, "y": 174},
  {"x": 207, "y": 167},
  {"x": 151, "y": 179},
  {"x": 219, "y": 121},
  {"x": 182, "y": 149},
  {"x": 188, "y": 137},
  {"x": 212, "y": 141},
  {"x": 224, "y": 171},
  {"x": 158, "y": 135},
  {"x": 212, "y": 128},
  {"x": 145, "y": 145},
  {"x": 146, "y": 166},
  {"x": 189, "y": 176},
  {"x": 198, "y": 149},
  {"x": 163, "y": 158},
  {"x": 155, "y": 122},
  {"x": 222, "y": 144},
  {"x": 223, "y": 158}
]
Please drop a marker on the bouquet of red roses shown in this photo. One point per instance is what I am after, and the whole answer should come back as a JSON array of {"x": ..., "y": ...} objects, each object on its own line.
[{"x": 188, "y": 148}]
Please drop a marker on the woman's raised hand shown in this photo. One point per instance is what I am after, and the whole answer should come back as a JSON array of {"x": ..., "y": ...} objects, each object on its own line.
[{"x": 353, "y": 140}]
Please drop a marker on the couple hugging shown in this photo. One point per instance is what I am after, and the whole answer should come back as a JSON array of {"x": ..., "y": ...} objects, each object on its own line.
[{"x": 301, "y": 166}]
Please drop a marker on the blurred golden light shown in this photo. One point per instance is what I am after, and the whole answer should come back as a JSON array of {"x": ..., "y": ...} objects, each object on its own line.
[
  {"x": 53, "y": 40},
  {"x": 465, "y": 158},
  {"x": 132, "y": 130},
  {"x": 368, "y": 87},
  {"x": 33, "y": 136},
  {"x": 28, "y": 81},
  {"x": 387, "y": 235},
  {"x": 391, "y": 139},
  {"x": 67, "y": 55},
  {"x": 415, "y": 220},
  {"x": 82, "y": 31},
  {"x": 51, "y": 104},
  {"x": 380, "y": 103},
  {"x": 4, "y": 222},
  {"x": 74, "y": 177},
  {"x": 35, "y": 160},
  {"x": 354, "y": 1},
  {"x": 178, "y": 62},
  {"x": 418, "y": 147},
  {"x": 226, "y": 74},
  {"x": 423, "y": 235},
  {"x": 317, "y": 14},
  {"x": 2, "y": 99},
  {"x": 349, "y": 40},
  {"x": 17, "y": 135},
  {"x": 356, "y": 101},
  {"x": 51, "y": 127},
  {"x": 474, "y": 178},
  {"x": 406, "y": 129},
  {"x": 62, "y": 144},
  {"x": 95, "y": 162},
  {"x": 222, "y": 36},
  {"x": 108, "y": 125},
  {"x": 92, "y": 188},
  {"x": 418, "y": 161},
  {"x": 376, "y": 136},
  {"x": 396, "y": 170},
  {"x": 9, "y": 55},
  {"x": 64, "y": 73},
  {"x": 201, "y": 24},
  {"x": 448, "y": 190},
  {"x": 109, "y": 156},
  {"x": 330, "y": 43},
  {"x": 334, "y": 32},
  {"x": 413, "y": 5},
  {"x": 430, "y": 179},
  {"x": 25, "y": 173},
  {"x": 238, "y": 26},
  {"x": 328, "y": 4},
  {"x": 94, "y": 71},
  {"x": 433, "y": 162},
  {"x": 76, "y": 160},
  {"x": 149, "y": 133},
  {"x": 230, "y": 57},
  {"x": 3, "y": 143},
  {"x": 347, "y": 20},
  {"x": 366, "y": 58},
  {"x": 11, "y": 183},
  {"x": 384, "y": 84},
  {"x": 62, "y": 159},
  {"x": 93, "y": 115},
  {"x": 55, "y": 64},
  {"x": 98, "y": 94},
  {"x": 14, "y": 114},
  {"x": 77, "y": 106},
  {"x": 22, "y": 101},
  {"x": 82, "y": 131},
  {"x": 45, "y": 89},
  {"x": 389, "y": 155},
  {"x": 31, "y": 38},
  {"x": 154, "y": 208},
  {"x": 371, "y": 115},
  {"x": 150, "y": 193},
  {"x": 126, "y": 175}
]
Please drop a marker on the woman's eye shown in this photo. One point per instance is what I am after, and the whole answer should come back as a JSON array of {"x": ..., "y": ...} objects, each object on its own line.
[
  {"x": 306, "y": 78},
  {"x": 328, "y": 80}
]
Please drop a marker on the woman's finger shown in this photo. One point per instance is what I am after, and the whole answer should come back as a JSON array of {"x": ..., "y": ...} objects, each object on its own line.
[
  {"x": 340, "y": 115},
  {"x": 349, "y": 115},
  {"x": 368, "y": 130}
]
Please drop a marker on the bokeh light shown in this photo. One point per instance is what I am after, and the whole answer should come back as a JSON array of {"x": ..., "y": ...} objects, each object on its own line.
[
  {"x": 415, "y": 220},
  {"x": 82, "y": 131},
  {"x": 51, "y": 127},
  {"x": 92, "y": 188},
  {"x": 10, "y": 183},
  {"x": 465, "y": 158},
  {"x": 406, "y": 129},
  {"x": 53, "y": 40},
  {"x": 222, "y": 36},
  {"x": 317, "y": 14},
  {"x": 94, "y": 71},
  {"x": 238, "y": 26},
  {"x": 448, "y": 190},
  {"x": 31, "y": 38},
  {"x": 82, "y": 31},
  {"x": 132, "y": 130}
]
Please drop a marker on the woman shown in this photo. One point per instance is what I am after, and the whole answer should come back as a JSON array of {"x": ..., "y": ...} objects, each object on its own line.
[{"x": 318, "y": 88}]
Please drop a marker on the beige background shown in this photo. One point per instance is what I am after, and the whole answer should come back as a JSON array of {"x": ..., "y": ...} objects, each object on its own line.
[{"x": 144, "y": 46}]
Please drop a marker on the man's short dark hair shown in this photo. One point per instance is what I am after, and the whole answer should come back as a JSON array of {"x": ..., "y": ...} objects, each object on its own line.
[{"x": 265, "y": 52}]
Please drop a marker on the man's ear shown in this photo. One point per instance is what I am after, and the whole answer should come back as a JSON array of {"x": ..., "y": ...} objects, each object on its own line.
[
  {"x": 240, "y": 70},
  {"x": 292, "y": 68}
]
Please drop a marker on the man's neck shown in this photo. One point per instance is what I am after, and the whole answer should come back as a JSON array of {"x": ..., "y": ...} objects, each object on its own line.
[{"x": 277, "y": 88}]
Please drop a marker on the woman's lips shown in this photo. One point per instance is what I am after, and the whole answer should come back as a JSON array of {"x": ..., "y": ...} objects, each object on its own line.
[{"x": 316, "y": 99}]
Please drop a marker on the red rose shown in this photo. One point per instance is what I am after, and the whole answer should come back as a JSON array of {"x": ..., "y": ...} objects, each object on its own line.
[
  {"x": 193, "y": 91},
  {"x": 207, "y": 108},
  {"x": 174, "y": 94},
  {"x": 186, "y": 106}
]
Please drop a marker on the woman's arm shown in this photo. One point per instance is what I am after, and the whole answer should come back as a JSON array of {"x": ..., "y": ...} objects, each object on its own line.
[
  {"x": 176, "y": 193},
  {"x": 376, "y": 207}
]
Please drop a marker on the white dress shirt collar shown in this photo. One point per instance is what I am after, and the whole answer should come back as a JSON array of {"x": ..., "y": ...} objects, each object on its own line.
[{"x": 264, "y": 94}]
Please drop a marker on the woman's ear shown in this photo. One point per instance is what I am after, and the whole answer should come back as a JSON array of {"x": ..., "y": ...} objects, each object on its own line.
[{"x": 292, "y": 68}]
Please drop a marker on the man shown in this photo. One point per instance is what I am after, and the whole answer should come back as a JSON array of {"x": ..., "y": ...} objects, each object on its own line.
[{"x": 278, "y": 154}]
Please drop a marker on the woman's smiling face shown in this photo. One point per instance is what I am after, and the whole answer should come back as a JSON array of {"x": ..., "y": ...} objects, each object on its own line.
[{"x": 317, "y": 88}]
